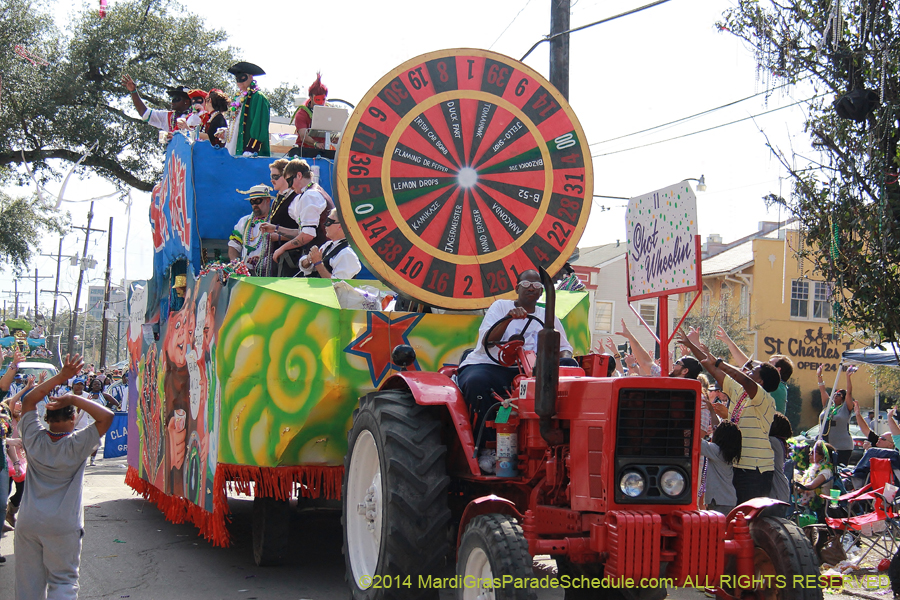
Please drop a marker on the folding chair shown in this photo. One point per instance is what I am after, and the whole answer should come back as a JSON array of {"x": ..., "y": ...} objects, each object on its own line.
[{"x": 874, "y": 530}]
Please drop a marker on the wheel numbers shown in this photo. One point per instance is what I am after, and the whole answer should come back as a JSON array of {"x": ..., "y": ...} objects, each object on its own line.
[{"x": 464, "y": 168}]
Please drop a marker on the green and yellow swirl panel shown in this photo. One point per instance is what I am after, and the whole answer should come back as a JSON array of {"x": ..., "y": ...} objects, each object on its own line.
[{"x": 293, "y": 364}]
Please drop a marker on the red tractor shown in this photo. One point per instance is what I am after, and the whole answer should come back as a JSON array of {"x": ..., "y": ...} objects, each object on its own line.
[{"x": 604, "y": 478}]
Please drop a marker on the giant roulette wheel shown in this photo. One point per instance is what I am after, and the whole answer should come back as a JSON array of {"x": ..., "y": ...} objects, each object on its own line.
[{"x": 457, "y": 171}]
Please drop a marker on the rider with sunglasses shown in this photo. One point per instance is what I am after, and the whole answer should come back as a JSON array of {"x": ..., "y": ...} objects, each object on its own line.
[
  {"x": 335, "y": 259},
  {"x": 308, "y": 210},
  {"x": 247, "y": 240},
  {"x": 479, "y": 376}
]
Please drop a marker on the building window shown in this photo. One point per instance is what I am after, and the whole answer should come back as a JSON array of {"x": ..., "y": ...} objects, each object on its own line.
[
  {"x": 822, "y": 300},
  {"x": 648, "y": 314},
  {"x": 725, "y": 294},
  {"x": 745, "y": 301},
  {"x": 603, "y": 317},
  {"x": 704, "y": 301},
  {"x": 818, "y": 307},
  {"x": 800, "y": 299}
]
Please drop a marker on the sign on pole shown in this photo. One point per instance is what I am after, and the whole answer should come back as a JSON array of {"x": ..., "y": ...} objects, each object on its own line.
[{"x": 662, "y": 250}]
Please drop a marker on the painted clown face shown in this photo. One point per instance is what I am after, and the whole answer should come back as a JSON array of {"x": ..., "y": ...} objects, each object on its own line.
[{"x": 179, "y": 333}]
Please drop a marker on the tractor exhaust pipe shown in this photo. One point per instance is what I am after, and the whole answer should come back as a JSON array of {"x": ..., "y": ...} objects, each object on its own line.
[{"x": 546, "y": 371}]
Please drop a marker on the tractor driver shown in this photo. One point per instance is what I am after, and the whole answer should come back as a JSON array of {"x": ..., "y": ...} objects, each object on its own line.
[{"x": 479, "y": 376}]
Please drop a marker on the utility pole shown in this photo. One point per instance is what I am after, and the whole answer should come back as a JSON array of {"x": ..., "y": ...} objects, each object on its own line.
[
  {"x": 105, "y": 328},
  {"x": 118, "y": 336},
  {"x": 36, "y": 292},
  {"x": 55, "y": 288},
  {"x": 84, "y": 265},
  {"x": 559, "y": 46}
]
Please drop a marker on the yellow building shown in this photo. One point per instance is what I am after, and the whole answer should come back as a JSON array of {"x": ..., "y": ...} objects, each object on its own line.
[{"x": 784, "y": 307}]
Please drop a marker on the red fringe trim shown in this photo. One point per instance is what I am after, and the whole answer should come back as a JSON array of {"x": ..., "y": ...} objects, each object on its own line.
[
  {"x": 213, "y": 526},
  {"x": 275, "y": 482}
]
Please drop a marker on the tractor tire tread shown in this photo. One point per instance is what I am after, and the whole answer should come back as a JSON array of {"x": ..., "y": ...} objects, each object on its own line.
[
  {"x": 794, "y": 554},
  {"x": 415, "y": 512},
  {"x": 507, "y": 543}
]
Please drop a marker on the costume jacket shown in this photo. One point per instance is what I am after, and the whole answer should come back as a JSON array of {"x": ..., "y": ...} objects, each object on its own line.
[{"x": 253, "y": 129}]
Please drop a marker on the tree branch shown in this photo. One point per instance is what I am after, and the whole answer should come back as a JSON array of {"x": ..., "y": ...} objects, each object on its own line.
[
  {"x": 110, "y": 166},
  {"x": 826, "y": 139}
]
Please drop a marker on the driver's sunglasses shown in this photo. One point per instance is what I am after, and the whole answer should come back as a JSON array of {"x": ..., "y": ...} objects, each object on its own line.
[{"x": 534, "y": 285}]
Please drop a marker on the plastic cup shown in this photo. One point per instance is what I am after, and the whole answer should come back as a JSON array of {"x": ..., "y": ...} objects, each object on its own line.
[{"x": 180, "y": 419}]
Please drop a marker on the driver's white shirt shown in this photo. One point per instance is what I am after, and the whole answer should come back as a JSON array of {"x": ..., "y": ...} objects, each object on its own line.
[{"x": 498, "y": 310}]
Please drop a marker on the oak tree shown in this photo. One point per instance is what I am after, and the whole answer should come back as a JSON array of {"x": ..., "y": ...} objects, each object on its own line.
[{"x": 845, "y": 56}]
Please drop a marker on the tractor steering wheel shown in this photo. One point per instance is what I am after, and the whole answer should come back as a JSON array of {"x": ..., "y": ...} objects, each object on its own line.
[{"x": 506, "y": 354}]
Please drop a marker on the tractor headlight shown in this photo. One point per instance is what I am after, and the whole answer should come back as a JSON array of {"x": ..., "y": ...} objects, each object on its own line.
[
  {"x": 632, "y": 484},
  {"x": 672, "y": 483}
]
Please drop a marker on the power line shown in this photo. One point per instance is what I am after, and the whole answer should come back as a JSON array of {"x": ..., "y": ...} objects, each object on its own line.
[
  {"x": 699, "y": 114},
  {"x": 708, "y": 128},
  {"x": 510, "y": 24},
  {"x": 547, "y": 38}
]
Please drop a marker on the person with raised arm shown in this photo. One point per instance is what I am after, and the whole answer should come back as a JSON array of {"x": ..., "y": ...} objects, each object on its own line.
[
  {"x": 164, "y": 120},
  {"x": 752, "y": 409},
  {"x": 7, "y": 379},
  {"x": 687, "y": 366},
  {"x": 835, "y": 425},
  {"x": 781, "y": 362},
  {"x": 877, "y": 441},
  {"x": 50, "y": 524}
]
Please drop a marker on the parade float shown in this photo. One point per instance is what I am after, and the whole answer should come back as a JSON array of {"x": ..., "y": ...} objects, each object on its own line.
[{"x": 260, "y": 376}]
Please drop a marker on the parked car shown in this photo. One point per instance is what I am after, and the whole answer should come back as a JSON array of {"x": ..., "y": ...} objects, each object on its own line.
[
  {"x": 859, "y": 440},
  {"x": 28, "y": 368}
]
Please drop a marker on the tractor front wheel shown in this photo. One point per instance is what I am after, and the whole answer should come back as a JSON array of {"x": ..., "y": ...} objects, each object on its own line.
[
  {"x": 782, "y": 552},
  {"x": 494, "y": 547},
  {"x": 395, "y": 512}
]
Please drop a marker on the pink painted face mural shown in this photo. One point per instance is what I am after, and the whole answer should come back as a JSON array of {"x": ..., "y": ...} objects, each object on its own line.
[{"x": 179, "y": 333}]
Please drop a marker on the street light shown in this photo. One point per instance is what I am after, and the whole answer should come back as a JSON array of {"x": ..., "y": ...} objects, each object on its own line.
[{"x": 701, "y": 183}]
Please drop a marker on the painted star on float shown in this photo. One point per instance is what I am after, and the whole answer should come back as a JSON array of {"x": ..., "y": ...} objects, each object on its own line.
[{"x": 380, "y": 337}]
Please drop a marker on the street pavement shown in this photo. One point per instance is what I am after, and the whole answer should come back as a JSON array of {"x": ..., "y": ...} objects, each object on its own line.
[{"x": 131, "y": 551}]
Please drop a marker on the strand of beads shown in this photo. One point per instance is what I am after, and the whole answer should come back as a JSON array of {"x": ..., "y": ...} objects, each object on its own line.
[{"x": 239, "y": 99}]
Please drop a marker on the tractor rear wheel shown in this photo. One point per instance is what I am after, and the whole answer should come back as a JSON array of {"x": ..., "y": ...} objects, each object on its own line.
[
  {"x": 395, "y": 512},
  {"x": 271, "y": 527},
  {"x": 494, "y": 547},
  {"x": 783, "y": 550}
]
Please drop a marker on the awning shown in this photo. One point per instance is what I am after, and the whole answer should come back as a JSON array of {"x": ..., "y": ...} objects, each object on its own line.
[{"x": 874, "y": 356}]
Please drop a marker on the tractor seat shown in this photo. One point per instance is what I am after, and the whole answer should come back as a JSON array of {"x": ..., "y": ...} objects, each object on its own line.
[{"x": 450, "y": 370}]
